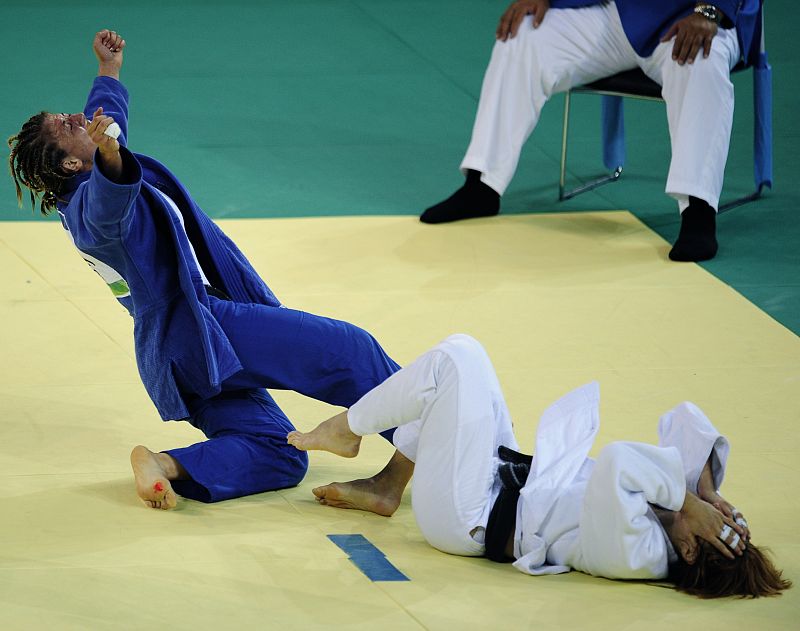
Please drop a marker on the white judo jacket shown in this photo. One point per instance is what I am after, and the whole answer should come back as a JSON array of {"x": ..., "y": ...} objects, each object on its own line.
[{"x": 595, "y": 516}]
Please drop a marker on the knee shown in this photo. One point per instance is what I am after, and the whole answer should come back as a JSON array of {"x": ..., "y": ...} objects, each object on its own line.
[
  {"x": 709, "y": 74},
  {"x": 295, "y": 466},
  {"x": 466, "y": 348}
]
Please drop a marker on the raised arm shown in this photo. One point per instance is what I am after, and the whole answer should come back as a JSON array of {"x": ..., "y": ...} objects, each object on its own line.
[
  {"x": 107, "y": 92},
  {"x": 108, "y": 47}
]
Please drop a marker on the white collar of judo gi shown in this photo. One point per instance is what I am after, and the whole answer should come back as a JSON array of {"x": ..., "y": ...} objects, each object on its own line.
[{"x": 566, "y": 432}]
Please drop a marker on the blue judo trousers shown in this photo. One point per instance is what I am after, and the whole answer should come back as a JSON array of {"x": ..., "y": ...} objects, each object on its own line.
[
  {"x": 202, "y": 358},
  {"x": 329, "y": 360}
]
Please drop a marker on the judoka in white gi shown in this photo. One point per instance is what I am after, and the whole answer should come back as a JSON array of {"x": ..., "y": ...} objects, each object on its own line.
[{"x": 633, "y": 513}]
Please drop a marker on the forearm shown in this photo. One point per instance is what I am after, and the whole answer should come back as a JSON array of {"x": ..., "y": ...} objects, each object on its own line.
[
  {"x": 108, "y": 46},
  {"x": 111, "y": 165},
  {"x": 109, "y": 69},
  {"x": 705, "y": 484}
]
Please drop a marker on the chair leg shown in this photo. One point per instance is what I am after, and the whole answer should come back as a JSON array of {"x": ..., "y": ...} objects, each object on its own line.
[
  {"x": 741, "y": 201},
  {"x": 605, "y": 179},
  {"x": 564, "y": 133}
]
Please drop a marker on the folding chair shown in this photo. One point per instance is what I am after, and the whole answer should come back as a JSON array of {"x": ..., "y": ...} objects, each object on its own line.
[{"x": 635, "y": 84}]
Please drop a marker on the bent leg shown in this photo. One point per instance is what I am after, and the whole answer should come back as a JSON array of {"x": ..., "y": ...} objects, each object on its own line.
[
  {"x": 246, "y": 450},
  {"x": 699, "y": 100},
  {"x": 449, "y": 405},
  {"x": 381, "y": 494},
  {"x": 570, "y": 47}
]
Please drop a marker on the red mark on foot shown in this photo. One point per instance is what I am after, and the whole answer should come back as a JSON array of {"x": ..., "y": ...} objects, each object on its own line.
[{"x": 158, "y": 487}]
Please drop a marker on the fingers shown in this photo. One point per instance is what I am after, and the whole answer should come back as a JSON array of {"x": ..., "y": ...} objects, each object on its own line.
[
  {"x": 515, "y": 14},
  {"x": 686, "y": 46},
  {"x": 691, "y": 34},
  {"x": 96, "y": 130},
  {"x": 723, "y": 507},
  {"x": 97, "y": 118},
  {"x": 740, "y": 521},
  {"x": 722, "y": 547},
  {"x": 504, "y": 27},
  {"x": 670, "y": 33},
  {"x": 538, "y": 15},
  {"x": 111, "y": 40},
  {"x": 732, "y": 535}
]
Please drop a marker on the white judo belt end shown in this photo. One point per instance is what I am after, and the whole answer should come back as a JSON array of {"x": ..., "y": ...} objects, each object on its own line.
[{"x": 113, "y": 130}]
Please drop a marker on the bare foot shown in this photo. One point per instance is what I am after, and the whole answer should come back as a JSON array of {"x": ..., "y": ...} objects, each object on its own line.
[
  {"x": 333, "y": 435},
  {"x": 380, "y": 494},
  {"x": 358, "y": 494},
  {"x": 151, "y": 471}
]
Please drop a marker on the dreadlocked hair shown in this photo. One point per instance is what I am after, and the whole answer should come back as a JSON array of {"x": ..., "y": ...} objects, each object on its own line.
[
  {"x": 35, "y": 164},
  {"x": 715, "y": 576}
]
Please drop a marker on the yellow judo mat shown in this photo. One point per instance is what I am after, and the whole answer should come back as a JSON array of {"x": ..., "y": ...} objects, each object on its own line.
[{"x": 557, "y": 300}]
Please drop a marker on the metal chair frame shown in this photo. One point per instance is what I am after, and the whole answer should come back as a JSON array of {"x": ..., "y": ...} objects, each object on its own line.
[{"x": 617, "y": 172}]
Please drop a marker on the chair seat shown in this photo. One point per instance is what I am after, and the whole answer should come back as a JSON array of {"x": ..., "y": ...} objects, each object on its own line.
[
  {"x": 629, "y": 82},
  {"x": 632, "y": 82}
]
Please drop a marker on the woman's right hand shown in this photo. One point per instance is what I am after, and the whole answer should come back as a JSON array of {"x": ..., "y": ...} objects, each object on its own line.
[
  {"x": 708, "y": 523},
  {"x": 707, "y": 492}
]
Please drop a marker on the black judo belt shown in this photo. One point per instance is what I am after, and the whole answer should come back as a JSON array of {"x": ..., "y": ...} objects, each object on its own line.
[
  {"x": 503, "y": 516},
  {"x": 217, "y": 293}
]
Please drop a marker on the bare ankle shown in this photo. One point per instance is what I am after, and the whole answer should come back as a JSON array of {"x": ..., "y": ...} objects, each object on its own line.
[{"x": 173, "y": 470}]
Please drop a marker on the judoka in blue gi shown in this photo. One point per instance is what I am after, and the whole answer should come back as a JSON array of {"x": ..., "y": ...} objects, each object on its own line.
[
  {"x": 545, "y": 47},
  {"x": 209, "y": 334}
]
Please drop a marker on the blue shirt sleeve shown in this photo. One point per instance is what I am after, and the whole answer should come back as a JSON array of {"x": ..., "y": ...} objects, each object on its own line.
[
  {"x": 108, "y": 206},
  {"x": 112, "y": 96}
]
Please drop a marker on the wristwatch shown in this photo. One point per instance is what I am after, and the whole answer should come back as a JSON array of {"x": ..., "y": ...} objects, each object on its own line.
[{"x": 709, "y": 12}]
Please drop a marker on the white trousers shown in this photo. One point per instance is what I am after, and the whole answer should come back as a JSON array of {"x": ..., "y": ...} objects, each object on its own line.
[
  {"x": 575, "y": 46},
  {"x": 450, "y": 417}
]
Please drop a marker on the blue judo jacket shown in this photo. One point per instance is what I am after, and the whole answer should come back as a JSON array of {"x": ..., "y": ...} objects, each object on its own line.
[
  {"x": 646, "y": 22},
  {"x": 129, "y": 235}
]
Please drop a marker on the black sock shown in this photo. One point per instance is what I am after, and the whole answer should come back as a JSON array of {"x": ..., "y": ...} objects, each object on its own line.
[
  {"x": 474, "y": 199},
  {"x": 697, "y": 239}
]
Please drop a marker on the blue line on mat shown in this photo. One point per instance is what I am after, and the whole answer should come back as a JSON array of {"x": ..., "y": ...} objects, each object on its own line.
[{"x": 368, "y": 558}]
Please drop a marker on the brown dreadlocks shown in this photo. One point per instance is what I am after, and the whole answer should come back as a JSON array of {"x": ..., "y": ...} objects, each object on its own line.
[{"x": 35, "y": 163}]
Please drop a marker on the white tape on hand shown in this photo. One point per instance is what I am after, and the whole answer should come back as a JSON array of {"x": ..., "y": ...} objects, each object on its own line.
[{"x": 113, "y": 130}]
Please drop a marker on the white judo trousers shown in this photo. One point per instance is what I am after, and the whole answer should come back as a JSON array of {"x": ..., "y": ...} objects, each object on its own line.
[
  {"x": 451, "y": 417},
  {"x": 575, "y": 46}
]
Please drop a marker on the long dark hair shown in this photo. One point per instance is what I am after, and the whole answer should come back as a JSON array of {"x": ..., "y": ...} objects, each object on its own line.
[
  {"x": 714, "y": 576},
  {"x": 35, "y": 162}
]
